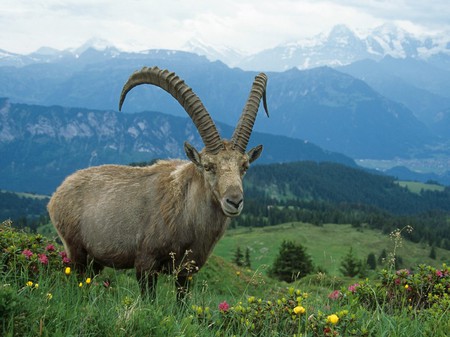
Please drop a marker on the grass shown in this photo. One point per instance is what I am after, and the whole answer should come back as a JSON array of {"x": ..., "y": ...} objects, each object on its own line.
[
  {"x": 417, "y": 187},
  {"x": 39, "y": 299},
  {"x": 326, "y": 244}
]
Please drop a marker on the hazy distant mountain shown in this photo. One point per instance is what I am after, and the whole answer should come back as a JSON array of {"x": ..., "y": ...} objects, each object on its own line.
[
  {"x": 421, "y": 86},
  {"x": 324, "y": 106},
  {"x": 41, "y": 145}
]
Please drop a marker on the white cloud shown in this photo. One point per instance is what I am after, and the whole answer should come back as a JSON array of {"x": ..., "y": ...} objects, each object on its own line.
[{"x": 248, "y": 25}]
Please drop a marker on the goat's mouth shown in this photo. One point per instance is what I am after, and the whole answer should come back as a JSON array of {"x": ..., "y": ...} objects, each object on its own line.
[{"x": 231, "y": 209}]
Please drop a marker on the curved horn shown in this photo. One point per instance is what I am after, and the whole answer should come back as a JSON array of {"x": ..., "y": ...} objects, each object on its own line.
[
  {"x": 175, "y": 86},
  {"x": 244, "y": 127}
]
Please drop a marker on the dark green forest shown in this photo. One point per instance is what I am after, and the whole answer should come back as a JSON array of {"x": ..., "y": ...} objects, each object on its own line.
[{"x": 25, "y": 210}]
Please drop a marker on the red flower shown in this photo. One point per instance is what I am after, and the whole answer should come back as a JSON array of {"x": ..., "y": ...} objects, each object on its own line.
[
  {"x": 28, "y": 253},
  {"x": 224, "y": 306},
  {"x": 43, "y": 258},
  {"x": 335, "y": 294},
  {"x": 50, "y": 248},
  {"x": 353, "y": 287}
]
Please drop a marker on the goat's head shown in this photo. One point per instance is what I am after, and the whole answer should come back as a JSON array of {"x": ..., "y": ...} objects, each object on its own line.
[{"x": 222, "y": 163}]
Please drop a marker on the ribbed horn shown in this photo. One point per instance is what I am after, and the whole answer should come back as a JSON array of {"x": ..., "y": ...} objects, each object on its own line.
[
  {"x": 175, "y": 86},
  {"x": 244, "y": 127}
]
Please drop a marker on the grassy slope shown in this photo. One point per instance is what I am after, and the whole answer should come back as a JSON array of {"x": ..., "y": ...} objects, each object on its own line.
[
  {"x": 327, "y": 245},
  {"x": 417, "y": 187}
]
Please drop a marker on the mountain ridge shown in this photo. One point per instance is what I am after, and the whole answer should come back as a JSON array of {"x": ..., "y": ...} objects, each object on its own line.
[{"x": 41, "y": 145}]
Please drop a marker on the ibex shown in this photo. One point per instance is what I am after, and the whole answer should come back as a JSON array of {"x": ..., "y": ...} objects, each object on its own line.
[{"x": 154, "y": 218}]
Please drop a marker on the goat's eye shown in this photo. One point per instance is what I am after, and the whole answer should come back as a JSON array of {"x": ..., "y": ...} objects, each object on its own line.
[
  {"x": 209, "y": 168},
  {"x": 244, "y": 168}
]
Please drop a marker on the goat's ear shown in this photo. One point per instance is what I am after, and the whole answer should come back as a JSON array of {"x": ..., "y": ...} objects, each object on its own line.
[
  {"x": 254, "y": 153},
  {"x": 192, "y": 154}
]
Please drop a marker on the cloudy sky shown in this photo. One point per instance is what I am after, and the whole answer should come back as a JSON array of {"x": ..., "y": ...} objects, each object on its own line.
[{"x": 246, "y": 25}]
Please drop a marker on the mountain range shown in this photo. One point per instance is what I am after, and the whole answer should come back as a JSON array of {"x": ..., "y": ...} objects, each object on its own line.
[
  {"x": 41, "y": 145},
  {"x": 382, "y": 96}
]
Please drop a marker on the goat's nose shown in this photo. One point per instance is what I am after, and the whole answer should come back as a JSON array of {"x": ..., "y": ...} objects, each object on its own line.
[{"x": 235, "y": 201}]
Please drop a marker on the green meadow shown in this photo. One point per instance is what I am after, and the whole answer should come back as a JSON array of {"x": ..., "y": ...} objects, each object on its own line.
[
  {"x": 327, "y": 245},
  {"x": 41, "y": 295}
]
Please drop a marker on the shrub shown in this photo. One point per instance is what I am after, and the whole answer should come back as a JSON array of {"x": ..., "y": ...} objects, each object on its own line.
[{"x": 26, "y": 256}]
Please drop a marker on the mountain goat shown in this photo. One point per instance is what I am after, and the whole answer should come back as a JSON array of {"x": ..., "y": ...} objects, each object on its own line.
[{"x": 156, "y": 218}]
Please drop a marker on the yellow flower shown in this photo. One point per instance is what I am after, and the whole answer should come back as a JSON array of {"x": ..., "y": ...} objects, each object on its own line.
[
  {"x": 88, "y": 280},
  {"x": 80, "y": 284},
  {"x": 67, "y": 271},
  {"x": 333, "y": 319},
  {"x": 29, "y": 284},
  {"x": 406, "y": 286},
  {"x": 298, "y": 310},
  {"x": 49, "y": 296},
  {"x": 36, "y": 285},
  {"x": 251, "y": 299},
  {"x": 238, "y": 273}
]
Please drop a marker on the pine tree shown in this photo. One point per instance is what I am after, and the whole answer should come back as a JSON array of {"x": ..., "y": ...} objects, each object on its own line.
[
  {"x": 432, "y": 253},
  {"x": 350, "y": 266},
  {"x": 238, "y": 257},
  {"x": 382, "y": 258},
  {"x": 291, "y": 263},
  {"x": 247, "y": 262},
  {"x": 372, "y": 261}
]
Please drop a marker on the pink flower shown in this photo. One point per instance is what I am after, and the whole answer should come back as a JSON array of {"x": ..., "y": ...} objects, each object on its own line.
[
  {"x": 66, "y": 260},
  {"x": 439, "y": 273},
  {"x": 63, "y": 254},
  {"x": 224, "y": 306},
  {"x": 28, "y": 253},
  {"x": 50, "y": 248},
  {"x": 335, "y": 294},
  {"x": 43, "y": 258},
  {"x": 353, "y": 287}
]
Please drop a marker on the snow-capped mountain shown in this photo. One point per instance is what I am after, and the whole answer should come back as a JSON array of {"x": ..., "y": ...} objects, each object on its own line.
[
  {"x": 342, "y": 46},
  {"x": 225, "y": 54}
]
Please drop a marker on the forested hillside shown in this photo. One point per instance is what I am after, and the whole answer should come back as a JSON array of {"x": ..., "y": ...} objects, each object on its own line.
[
  {"x": 331, "y": 193},
  {"x": 25, "y": 210}
]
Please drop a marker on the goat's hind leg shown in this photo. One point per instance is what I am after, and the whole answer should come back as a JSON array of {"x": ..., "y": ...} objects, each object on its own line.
[{"x": 147, "y": 282}]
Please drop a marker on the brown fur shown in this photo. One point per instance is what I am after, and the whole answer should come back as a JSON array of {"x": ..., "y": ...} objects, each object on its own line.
[{"x": 149, "y": 217}]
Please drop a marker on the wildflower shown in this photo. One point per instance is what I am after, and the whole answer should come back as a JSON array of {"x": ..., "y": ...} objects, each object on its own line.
[
  {"x": 238, "y": 273},
  {"x": 80, "y": 284},
  {"x": 406, "y": 286},
  {"x": 67, "y": 271},
  {"x": 334, "y": 295},
  {"x": 333, "y": 319},
  {"x": 29, "y": 284},
  {"x": 353, "y": 288},
  {"x": 106, "y": 283},
  {"x": 88, "y": 280},
  {"x": 64, "y": 257},
  {"x": 251, "y": 299},
  {"x": 43, "y": 258},
  {"x": 36, "y": 285},
  {"x": 439, "y": 273},
  {"x": 299, "y": 310},
  {"x": 50, "y": 248},
  {"x": 224, "y": 306},
  {"x": 28, "y": 253},
  {"x": 49, "y": 296}
]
